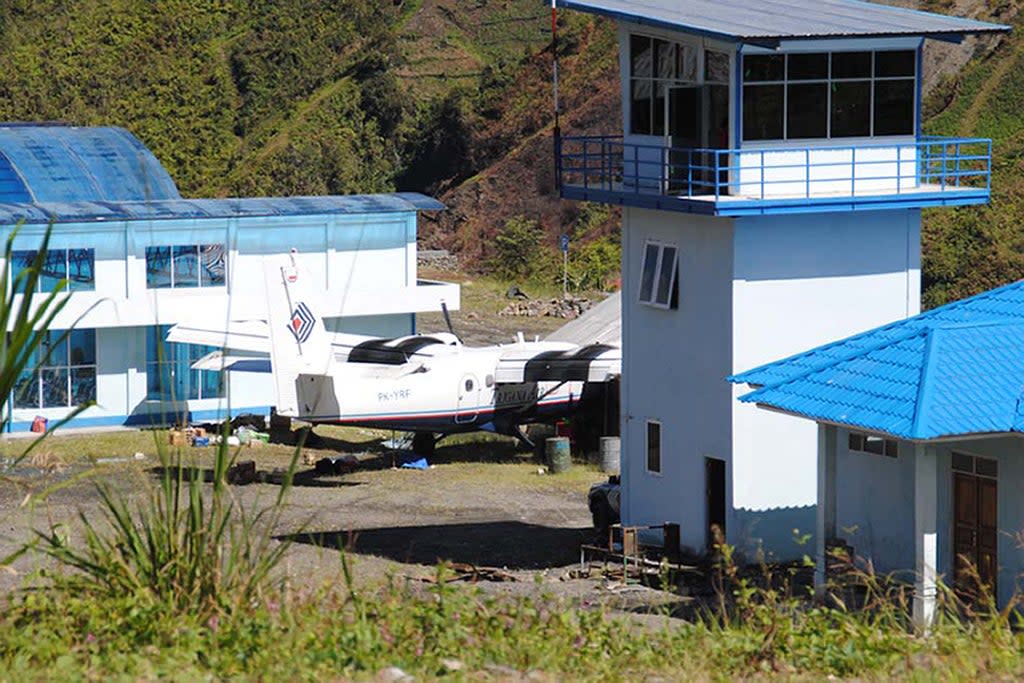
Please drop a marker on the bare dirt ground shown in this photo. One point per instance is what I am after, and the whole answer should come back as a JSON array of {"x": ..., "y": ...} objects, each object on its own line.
[
  {"x": 478, "y": 321},
  {"x": 481, "y": 503}
]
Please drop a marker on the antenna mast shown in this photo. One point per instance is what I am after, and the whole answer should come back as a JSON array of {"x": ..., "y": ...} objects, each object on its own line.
[{"x": 554, "y": 72}]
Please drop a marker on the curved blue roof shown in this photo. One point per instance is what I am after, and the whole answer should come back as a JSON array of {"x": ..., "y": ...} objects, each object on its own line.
[
  {"x": 55, "y": 163},
  {"x": 68, "y": 174}
]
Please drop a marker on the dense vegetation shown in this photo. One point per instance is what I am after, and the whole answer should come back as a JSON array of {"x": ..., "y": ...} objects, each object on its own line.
[
  {"x": 449, "y": 97},
  {"x": 256, "y": 96},
  {"x": 970, "y": 250}
]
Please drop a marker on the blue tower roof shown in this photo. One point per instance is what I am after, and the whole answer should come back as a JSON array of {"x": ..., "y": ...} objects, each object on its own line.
[
  {"x": 53, "y": 163},
  {"x": 954, "y": 370}
]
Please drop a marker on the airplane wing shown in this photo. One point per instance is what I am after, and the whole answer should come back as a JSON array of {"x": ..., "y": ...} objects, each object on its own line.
[
  {"x": 248, "y": 335},
  {"x": 594, "y": 363}
]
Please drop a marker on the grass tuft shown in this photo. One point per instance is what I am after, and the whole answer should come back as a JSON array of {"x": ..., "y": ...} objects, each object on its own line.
[{"x": 182, "y": 547}]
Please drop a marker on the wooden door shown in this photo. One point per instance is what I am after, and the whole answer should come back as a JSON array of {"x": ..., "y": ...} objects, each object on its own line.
[{"x": 975, "y": 534}]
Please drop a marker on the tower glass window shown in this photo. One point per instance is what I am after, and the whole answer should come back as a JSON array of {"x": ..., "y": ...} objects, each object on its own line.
[
  {"x": 829, "y": 95},
  {"x": 656, "y": 65}
]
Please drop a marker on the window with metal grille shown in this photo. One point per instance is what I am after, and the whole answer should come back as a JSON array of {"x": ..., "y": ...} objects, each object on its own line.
[
  {"x": 63, "y": 373},
  {"x": 169, "y": 373}
]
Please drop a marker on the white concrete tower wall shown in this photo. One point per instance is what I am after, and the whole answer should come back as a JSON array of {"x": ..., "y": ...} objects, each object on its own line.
[
  {"x": 799, "y": 282},
  {"x": 675, "y": 369}
]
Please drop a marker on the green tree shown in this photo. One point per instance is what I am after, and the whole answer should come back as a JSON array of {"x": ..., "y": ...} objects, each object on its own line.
[{"x": 518, "y": 249}]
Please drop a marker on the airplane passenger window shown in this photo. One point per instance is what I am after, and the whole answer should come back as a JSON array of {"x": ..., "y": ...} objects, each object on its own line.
[{"x": 469, "y": 385}]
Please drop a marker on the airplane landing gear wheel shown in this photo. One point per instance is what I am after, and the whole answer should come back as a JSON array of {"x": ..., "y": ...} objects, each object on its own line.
[{"x": 423, "y": 444}]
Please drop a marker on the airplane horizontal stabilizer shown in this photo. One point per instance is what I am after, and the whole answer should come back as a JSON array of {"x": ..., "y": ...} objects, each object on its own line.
[
  {"x": 248, "y": 335},
  {"x": 218, "y": 360}
]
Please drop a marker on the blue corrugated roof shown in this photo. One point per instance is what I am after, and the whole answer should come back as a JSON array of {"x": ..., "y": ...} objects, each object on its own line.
[
  {"x": 84, "y": 211},
  {"x": 955, "y": 370},
  {"x": 766, "y": 20},
  {"x": 53, "y": 163}
]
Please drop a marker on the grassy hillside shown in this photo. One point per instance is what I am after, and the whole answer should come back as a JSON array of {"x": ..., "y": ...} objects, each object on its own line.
[
  {"x": 972, "y": 249},
  {"x": 448, "y": 97},
  {"x": 270, "y": 96}
]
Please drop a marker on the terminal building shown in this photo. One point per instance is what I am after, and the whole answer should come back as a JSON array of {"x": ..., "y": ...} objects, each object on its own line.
[
  {"x": 772, "y": 171},
  {"x": 139, "y": 258}
]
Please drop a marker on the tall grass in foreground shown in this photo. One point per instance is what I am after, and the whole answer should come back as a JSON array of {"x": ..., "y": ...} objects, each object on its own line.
[
  {"x": 182, "y": 547},
  {"x": 353, "y": 632},
  {"x": 178, "y": 585}
]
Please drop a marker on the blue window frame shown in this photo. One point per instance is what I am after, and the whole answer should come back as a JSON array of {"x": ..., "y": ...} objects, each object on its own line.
[
  {"x": 185, "y": 266},
  {"x": 169, "y": 373},
  {"x": 77, "y": 266},
  {"x": 62, "y": 374}
]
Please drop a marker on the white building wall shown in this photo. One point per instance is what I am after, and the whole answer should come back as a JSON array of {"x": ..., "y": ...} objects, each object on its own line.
[
  {"x": 675, "y": 368},
  {"x": 363, "y": 266},
  {"x": 802, "y": 281},
  {"x": 874, "y": 505}
]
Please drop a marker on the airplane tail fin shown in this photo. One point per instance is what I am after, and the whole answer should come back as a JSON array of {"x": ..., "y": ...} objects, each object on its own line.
[{"x": 299, "y": 341}]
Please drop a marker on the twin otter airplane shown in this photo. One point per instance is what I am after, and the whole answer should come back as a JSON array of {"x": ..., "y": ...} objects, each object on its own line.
[{"x": 431, "y": 385}]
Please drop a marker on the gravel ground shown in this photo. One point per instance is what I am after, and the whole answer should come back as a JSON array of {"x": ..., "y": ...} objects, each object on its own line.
[{"x": 480, "y": 504}]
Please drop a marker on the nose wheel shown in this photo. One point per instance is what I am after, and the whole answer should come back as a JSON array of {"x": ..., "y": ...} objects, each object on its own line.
[{"x": 423, "y": 444}]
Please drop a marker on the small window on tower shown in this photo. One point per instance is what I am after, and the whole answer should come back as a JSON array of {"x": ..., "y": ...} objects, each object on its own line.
[
  {"x": 654, "y": 447},
  {"x": 659, "y": 285}
]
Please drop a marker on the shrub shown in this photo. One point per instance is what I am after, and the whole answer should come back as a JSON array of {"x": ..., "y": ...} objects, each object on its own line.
[
  {"x": 518, "y": 249},
  {"x": 593, "y": 265}
]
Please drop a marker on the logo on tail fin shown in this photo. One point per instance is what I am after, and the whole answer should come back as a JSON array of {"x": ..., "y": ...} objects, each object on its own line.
[{"x": 302, "y": 323}]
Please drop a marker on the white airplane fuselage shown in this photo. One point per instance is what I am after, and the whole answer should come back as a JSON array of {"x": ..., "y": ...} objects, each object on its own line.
[{"x": 453, "y": 392}]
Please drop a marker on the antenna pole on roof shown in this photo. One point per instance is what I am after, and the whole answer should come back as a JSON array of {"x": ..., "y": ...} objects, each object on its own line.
[{"x": 554, "y": 72}]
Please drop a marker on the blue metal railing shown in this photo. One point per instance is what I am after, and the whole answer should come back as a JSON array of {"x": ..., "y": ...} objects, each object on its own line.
[{"x": 932, "y": 164}]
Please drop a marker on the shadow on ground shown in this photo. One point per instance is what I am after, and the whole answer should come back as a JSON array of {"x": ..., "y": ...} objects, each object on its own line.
[
  {"x": 305, "y": 478},
  {"x": 448, "y": 452},
  {"x": 510, "y": 544}
]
